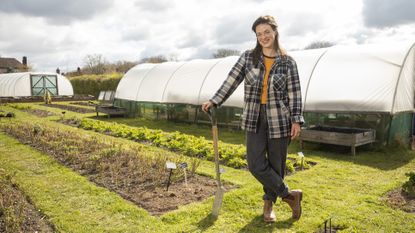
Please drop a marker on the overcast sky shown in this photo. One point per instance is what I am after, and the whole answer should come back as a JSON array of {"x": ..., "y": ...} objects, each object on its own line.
[{"x": 60, "y": 33}]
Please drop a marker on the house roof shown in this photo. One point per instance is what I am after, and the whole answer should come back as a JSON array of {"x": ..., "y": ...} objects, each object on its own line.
[{"x": 6, "y": 62}]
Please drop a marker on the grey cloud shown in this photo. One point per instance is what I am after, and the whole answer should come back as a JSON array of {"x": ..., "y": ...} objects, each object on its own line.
[
  {"x": 191, "y": 40},
  {"x": 34, "y": 51},
  {"x": 233, "y": 31},
  {"x": 151, "y": 50},
  {"x": 153, "y": 6},
  {"x": 135, "y": 35},
  {"x": 361, "y": 36},
  {"x": 31, "y": 46},
  {"x": 388, "y": 13},
  {"x": 56, "y": 11},
  {"x": 39, "y": 46},
  {"x": 302, "y": 24},
  {"x": 202, "y": 52}
]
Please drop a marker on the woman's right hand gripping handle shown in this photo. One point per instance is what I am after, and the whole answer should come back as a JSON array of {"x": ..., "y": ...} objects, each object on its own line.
[{"x": 206, "y": 106}]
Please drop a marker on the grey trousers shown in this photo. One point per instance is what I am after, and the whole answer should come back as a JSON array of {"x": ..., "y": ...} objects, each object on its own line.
[{"x": 266, "y": 159}]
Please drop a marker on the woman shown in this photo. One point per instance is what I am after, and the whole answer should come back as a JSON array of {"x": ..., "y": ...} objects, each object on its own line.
[{"x": 272, "y": 112}]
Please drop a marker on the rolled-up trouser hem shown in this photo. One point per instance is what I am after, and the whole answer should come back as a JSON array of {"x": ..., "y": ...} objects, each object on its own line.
[{"x": 285, "y": 191}]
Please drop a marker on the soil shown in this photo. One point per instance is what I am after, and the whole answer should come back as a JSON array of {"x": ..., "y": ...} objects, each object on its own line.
[
  {"x": 33, "y": 220},
  {"x": 401, "y": 200},
  {"x": 89, "y": 103},
  {"x": 116, "y": 173},
  {"x": 333, "y": 229},
  {"x": 70, "y": 108},
  {"x": 157, "y": 200},
  {"x": 40, "y": 113}
]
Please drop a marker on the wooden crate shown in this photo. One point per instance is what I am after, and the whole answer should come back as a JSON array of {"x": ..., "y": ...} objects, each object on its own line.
[{"x": 343, "y": 136}]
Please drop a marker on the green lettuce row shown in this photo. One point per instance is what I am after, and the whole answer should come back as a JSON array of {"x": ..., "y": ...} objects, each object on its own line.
[{"x": 231, "y": 155}]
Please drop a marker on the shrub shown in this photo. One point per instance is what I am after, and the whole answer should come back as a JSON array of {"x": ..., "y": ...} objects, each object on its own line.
[
  {"x": 409, "y": 186},
  {"x": 93, "y": 84},
  {"x": 289, "y": 167}
]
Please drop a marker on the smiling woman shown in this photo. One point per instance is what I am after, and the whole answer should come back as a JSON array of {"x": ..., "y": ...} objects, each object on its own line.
[{"x": 272, "y": 112}]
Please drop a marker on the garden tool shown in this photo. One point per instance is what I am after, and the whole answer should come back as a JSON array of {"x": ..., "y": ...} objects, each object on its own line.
[{"x": 220, "y": 190}]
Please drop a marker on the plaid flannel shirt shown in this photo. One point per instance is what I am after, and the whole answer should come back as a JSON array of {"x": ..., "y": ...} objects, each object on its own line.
[{"x": 284, "y": 93}]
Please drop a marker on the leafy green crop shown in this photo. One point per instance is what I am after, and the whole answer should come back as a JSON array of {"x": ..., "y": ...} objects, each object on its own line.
[
  {"x": 231, "y": 155},
  {"x": 409, "y": 186},
  {"x": 199, "y": 147}
]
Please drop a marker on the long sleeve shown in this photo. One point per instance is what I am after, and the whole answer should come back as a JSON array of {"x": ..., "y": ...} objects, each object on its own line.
[
  {"x": 235, "y": 77},
  {"x": 294, "y": 94}
]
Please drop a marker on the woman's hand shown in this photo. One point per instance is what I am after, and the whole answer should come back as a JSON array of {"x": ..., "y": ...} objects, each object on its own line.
[
  {"x": 206, "y": 106},
  {"x": 295, "y": 130}
]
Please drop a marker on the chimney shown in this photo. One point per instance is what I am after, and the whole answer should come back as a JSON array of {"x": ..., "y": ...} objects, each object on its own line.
[{"x": 24, "y": 61}]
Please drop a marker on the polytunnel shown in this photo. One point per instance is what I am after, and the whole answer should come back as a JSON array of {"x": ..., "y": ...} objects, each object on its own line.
[
  {"x": 368, "y": 86},
  {"x": 34, "y": 84}
]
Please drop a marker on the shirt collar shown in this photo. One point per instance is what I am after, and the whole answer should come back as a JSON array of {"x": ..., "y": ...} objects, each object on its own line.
[{"x": 279, "y": 58}]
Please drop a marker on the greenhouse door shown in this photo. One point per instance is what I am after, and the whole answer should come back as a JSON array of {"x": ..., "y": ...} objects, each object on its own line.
[{"x": 40, "y": 83}]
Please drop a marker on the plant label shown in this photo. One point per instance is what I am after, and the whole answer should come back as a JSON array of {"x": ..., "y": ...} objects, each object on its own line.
[
  {"x": 183, "y": 165},
  {"x": 170, "y": 165},
  {"x": 221, "y": 170}
]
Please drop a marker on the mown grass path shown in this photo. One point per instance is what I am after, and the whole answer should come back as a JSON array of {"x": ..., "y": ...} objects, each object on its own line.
[
  {"x": 72, "y": 203},
  {"x": 347, "y": 189}
]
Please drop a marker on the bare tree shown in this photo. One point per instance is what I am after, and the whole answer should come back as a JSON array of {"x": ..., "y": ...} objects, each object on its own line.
[
  {"x": 95, "y": 63},
  {"x": 172, "y": 57},
  {"x": 154, "y": 59},
  {"x": 225, "y": 53},
  {"x": 123, "y": 66},
  {"x": 319, "y": 44}
]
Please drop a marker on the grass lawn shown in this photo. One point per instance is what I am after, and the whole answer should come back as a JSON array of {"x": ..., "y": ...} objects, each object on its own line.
[{"x": 347, "y": 189}]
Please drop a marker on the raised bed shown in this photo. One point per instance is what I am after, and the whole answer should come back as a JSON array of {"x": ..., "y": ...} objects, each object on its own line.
[
  {"x": 111, "y": 110},
  {"x": 29, "y": 99},
  {"x": 342, "y": 136}
]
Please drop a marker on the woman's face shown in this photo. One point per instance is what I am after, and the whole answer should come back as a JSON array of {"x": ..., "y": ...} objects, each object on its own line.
[{"x": 265, "y": 35}]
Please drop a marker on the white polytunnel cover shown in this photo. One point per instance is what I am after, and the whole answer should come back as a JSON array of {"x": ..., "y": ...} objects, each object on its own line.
[
  {"x": 365, "y": 78},
  {"x": 359, "y": 78},
  {"x": 32, "y": 83}
]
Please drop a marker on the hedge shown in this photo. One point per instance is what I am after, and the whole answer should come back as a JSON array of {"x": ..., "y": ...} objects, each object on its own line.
[{"x": 92, "y": 84}]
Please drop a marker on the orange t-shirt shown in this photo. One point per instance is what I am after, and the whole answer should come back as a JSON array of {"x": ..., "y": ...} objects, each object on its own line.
[{"x": 268, "y": 61}]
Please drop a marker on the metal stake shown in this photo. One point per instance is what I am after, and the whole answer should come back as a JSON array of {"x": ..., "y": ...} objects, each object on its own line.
[{"x": 168, "y": 181}]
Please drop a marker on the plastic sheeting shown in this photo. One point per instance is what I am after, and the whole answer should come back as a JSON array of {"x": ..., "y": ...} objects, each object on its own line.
[
  {"x": 365, "y": 78},
  {"x": 361, "y": 78},
  {"x": 19, "y": 84}
]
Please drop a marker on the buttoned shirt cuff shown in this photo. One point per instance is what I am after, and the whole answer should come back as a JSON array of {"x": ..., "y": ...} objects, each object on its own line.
[{"x": 297, "y": 119}]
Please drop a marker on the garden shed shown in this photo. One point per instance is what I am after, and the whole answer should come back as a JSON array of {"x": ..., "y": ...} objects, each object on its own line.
[
  {"x": 34, "y": 84},
  {"x": 364, "y": 86}
]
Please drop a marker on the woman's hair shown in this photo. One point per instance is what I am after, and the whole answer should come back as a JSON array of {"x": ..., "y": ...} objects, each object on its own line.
[{"x": 267, "y": 19}]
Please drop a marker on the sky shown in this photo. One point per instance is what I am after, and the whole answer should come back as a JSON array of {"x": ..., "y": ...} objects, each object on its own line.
[{"x": 61, "y": 33}]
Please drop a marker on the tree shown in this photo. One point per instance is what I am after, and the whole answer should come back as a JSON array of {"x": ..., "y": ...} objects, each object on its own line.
[
  {"x": 94, "y": 64},
  {"x": 319, "y": 44},
  {"x": 123, "y": 66},
  {"x": 154, "y": 59},
  {"x": 225, "y": 53}
]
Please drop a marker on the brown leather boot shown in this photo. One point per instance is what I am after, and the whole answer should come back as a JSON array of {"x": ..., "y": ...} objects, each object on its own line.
[
  {"x": 294, "y": 201},
  {"x": 269, "y": 215}
]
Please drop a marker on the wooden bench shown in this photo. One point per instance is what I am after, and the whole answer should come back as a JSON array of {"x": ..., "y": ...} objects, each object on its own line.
[{"x": 106, "y": 105}]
